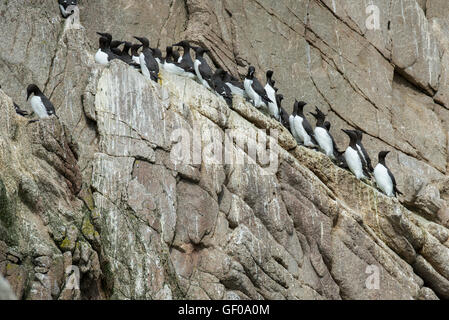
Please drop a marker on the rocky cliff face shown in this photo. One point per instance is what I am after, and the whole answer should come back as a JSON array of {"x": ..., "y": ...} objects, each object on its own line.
[{"x": 95, "y": 205}]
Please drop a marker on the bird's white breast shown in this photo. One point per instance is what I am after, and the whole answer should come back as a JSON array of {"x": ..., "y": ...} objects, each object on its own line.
[
  {"x": 354, "y": 163},
  {"x": 101, "y": 57},
  {"x": 325, "y": 141},
  {"x": 235, "y": 90},
  {"x": 248, "y": 84},
  {"x": 302, "y": 133},
  {"x": 196, "y": 65},
  {"x": 136, "y": 59},
  {"x": 383, "y": 179},
  {"x": 39, "y": 108},
  {"x": 172, "y": 68},
  {"x": 291, "y": 121},
  {"x": 272, "y": 106},
  {"x": 143, "y": 66}
]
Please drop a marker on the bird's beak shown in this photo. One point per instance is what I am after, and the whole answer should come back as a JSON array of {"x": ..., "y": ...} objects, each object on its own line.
[
  {"x": 138, "y": 38},
  {"x": 28, "y": 95},
  {"x": 101, "y": 34},
  {"x": 177, "y": 44},
  {"x": 314, "y": 115},
  {"x": 345, "y": 131}
]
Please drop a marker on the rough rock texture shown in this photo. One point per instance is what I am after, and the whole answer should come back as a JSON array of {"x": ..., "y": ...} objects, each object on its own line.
[{"x": 93, "y": 206}]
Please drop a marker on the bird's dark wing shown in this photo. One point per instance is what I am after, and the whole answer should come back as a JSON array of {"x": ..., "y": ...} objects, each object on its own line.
[
  {"x": 367, "y": 158},
  {"x": 48, "y": 105},
  {"x": 206, "y": 71},
  {"x": 395, "y": 189},
  {"x": 116, "y": 51},
  {"x": 307, "y": 127},
  {"x": 237, "y": 84},
  {"x": 257, "y": 87},
  {"x": 151, "y": 63},
  {"x": 364, "y": 164},
  {"x": 111, "y": 55},
  {"x": 186, "y": 64},
  {"x": 341, "y": 160},
  {"x": 223, "y": 90}
]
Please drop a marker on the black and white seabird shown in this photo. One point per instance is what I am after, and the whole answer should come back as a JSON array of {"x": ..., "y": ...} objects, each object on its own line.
[
  {"x": 176, "y": 56},
  {"x": 19, "y": 111},
  {"x": 384, "y": 178},
  {"x": 255, "y": 91},
  {"x": 40, "y": 103},
  {"x": 125, "y": 51},
  {"x": 362, "y": 150},
  {"x": 220, "y": 87},
  {"x": 148, "y": 64},
  {"x": 273, "y": 108},
  {"x": 322, "y": 135},
  {"x": 171, "y": 64},
  {"x": 353, "y": 157},
  {"x": 114, "y": 46},
  {"x": 283, "y": 115},
  {"x": 235, "y": 85},
  {"x": 157, "y": 54},
  {"x": 301, "y": 129},
  {"x": 186, "y": 63},
  {"x": 135, "y": 54},
  {"x": 66, "y": 7},
  {"x": 125, "y": 56},
  {"x": 202, "y": 69},
  {"x": 341, "y": 161},
  {"x": 104, "y": 53}
]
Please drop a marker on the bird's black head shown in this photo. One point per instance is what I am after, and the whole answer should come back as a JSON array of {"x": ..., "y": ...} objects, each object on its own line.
[
  {"x": 127, "y": 46},
  {"x": 32, "y": 89},
  {"x": 220, "y": 73},
  {"x": 359, "y": 134},
  {"x": 106, "y": 35},
  {"x": 301, "y": 105},
  {"x": 184, "y": 43},
  {"x": 227, "y": 77},
  {"x": 295, "y": 108},
  {"x": 382, "y": 156},
  {"x": 176, "y": 55},
  {"x": 319, "y": 115},
  {"x": 327, "y": 125},
  {"x": 351, "y": 134},
  {"x": 103, "y": 43},
  {"x": 115, "y": 44},
  {"x": 145, "y": 42},
  {"x": 157, "y": 53},
  {"x": 270, "y": 80},
  {"x": 135, "y": 48},
  {"x": 199, "y": 51},
  {"x": 251, "y": 71},
  {"x": 169, "y": 51}
]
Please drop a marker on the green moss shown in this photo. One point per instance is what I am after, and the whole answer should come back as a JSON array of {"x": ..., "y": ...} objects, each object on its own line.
[
  {"x": 88, "y": 229},
  {"x": 88, "y": 198},
  {"x": 66, "y": 244}
]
